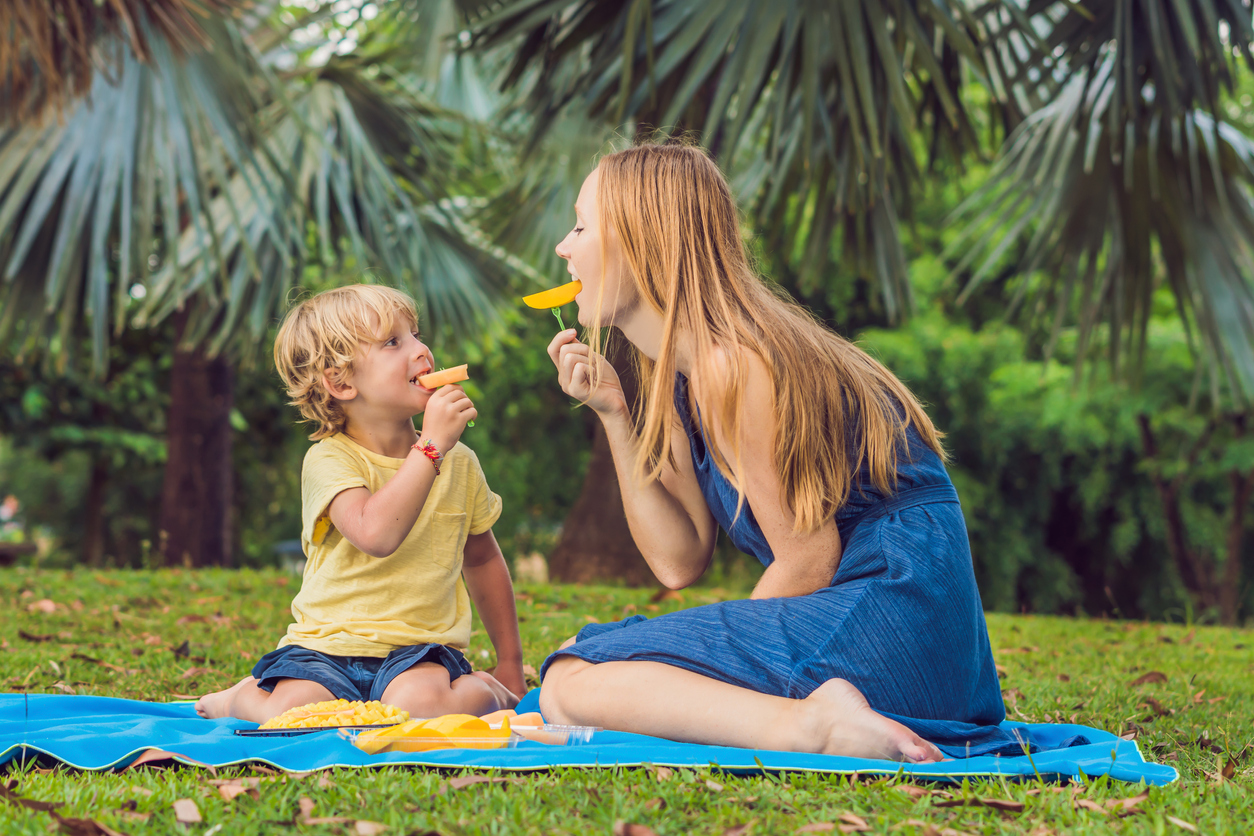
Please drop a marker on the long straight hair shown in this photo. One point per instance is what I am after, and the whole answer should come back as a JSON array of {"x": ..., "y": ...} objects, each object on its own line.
[{"x": 672, "y": 212}]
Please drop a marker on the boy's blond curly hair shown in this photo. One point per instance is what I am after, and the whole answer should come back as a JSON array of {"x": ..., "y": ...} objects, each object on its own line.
[{"x": 322, "y": 335}]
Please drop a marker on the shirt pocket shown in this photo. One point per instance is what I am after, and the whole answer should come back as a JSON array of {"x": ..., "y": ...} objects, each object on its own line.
[{"x": 448, "y": 538}]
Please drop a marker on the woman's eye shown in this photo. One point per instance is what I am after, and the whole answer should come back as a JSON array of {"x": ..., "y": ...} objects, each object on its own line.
[{"x": 578, "y": 230}]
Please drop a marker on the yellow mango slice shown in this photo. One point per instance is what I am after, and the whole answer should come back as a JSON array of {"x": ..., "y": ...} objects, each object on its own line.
[{"x": 554, "y": 297}]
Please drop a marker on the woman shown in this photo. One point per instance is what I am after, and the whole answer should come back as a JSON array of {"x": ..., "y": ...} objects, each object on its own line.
[{"x": 865, "y": 636}]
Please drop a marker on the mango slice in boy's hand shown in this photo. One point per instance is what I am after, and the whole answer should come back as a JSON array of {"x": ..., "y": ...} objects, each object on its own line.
[
  {"x": 554, "y": 297},
  {"x": 435, "y": 380}
]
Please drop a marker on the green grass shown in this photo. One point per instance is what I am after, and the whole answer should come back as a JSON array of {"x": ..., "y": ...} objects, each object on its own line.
[{"x": 154, "y": 635}]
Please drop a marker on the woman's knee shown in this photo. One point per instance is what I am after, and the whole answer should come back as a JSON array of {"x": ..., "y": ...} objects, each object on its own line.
[{"x": 555, "y": 689}]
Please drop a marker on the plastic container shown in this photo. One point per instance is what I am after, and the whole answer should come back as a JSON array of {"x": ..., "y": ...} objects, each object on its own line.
[{"x": 553, "y": 735}]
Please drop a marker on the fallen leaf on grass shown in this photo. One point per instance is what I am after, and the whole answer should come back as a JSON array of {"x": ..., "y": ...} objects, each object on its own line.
[
  {"x": 83, "y": 827},
  {"x": 1005, "y": 804},
  {"x": 191, "y": 619},
  {"x": 6, "y": 793},
  {"x": 1127, "y": 806},
  {"x": 1062, "y": 677},
  {"x": 186, "y": 696},
  {"x": 186, "y": 811},
  {"x": 230, "y": 790},
  {"x": 663, "y": 773},
  {"x": 1149, "y": 678},
  {"x": 913, "y": 791},
  {"x": 61, "y": 686},
  {"x": 151, "y": 756},
  {"x": 1085, "y": 804},
  {"x": 369, "y": 828},
  {"x": 623, "y": 828},
  {"x": 817, "y": 827},
  {"x": 192, "y": 672},
  {"x": 1192, "y": 828},
  {"x": 740, "y": 829},
  {"x": 715, "y": 786},
  {"x": 104, "y": 664},
  {"x": 852, "y": 823},
  {"x": 324, "y": 782},
  {"x": 43, "y": 605},
  {"x": 32, "y": 637},
  {"x": 655, "y": 804}
]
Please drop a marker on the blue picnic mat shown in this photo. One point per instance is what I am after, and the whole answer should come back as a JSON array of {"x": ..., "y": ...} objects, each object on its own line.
[{"x": 106, "y": 733}]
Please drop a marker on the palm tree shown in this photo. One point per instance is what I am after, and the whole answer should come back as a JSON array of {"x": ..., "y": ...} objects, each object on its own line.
[{"x": 188, "y": 187}]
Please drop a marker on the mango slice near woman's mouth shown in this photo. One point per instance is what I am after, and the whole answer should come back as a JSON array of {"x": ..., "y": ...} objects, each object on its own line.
[{"x": 554, "y": 298}]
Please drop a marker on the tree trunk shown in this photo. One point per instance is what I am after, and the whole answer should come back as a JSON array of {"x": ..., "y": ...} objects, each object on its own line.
[
  {"x": 596, "y": 543},
  {"x": 94, "y": 530},
  {"x": 1230, "y": 589},
  {"x": 197, "y": 492},
  {"x": 1193, "y": 569}
]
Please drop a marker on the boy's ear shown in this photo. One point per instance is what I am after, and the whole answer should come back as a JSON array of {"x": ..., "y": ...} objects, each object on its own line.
[{"x": 338, "y": 385}]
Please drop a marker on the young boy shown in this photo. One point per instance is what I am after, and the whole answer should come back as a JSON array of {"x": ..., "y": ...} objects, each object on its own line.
[{"x": 392, "y": 521}]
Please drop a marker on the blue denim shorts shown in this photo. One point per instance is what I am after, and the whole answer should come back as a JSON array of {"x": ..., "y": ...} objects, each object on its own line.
[{"x": 353, "y": 677}]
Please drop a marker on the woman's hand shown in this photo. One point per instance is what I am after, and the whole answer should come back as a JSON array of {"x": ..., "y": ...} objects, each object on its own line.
[{"x": 574, "y": 373}]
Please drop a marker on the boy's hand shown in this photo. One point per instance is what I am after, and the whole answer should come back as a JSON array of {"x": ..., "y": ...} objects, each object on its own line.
[
  {"x": 510, "y": 674},
  {"x": 447, "y": 413}
]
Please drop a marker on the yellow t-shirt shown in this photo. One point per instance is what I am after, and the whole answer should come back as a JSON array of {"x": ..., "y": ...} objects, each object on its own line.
[{"x": 352, "y": 604}]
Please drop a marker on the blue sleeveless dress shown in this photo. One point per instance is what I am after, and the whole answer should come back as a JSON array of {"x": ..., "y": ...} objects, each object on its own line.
[{"x": 901, "y": 619}]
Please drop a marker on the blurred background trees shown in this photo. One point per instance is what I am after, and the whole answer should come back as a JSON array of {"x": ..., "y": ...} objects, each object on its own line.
[{"x": 1038, "y": 213}]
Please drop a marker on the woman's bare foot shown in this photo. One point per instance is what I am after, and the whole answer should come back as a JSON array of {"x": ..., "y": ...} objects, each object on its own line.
[
  {"x": 839, "y": 715},
  {"x": 504, "y": 696},
  {"x": 218, "y": 704}
]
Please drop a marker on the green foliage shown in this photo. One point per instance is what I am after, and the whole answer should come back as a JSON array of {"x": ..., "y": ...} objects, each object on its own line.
[
  {"x": 1058, "y": 670},
  {"x": 1052, "y": 470}
]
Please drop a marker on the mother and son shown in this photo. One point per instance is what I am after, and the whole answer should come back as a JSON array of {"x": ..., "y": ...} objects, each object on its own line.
[{"x": 865, "y": 635}]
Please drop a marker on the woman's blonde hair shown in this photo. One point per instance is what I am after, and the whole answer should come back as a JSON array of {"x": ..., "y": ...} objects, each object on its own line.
[
  {"x": 322, "y": 335},
  {"x": 672, "y": 213}
]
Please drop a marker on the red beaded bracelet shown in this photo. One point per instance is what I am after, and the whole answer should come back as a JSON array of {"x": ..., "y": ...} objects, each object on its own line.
[{"x": 429, "y": 450}]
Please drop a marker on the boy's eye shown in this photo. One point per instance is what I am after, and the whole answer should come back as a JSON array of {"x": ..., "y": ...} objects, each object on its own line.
[{"x": 391, "y": 341}]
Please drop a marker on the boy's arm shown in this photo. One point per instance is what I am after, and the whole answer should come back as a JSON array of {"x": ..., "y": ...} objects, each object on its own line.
[
  {"x": 487, "y": 580},
  {"x": 378, "y": 523}
]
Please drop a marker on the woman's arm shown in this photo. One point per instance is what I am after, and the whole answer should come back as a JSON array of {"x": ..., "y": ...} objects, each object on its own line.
[
  {"x": 669, "y": 519},
  {"x": 804, "y": 563},
  {"x": 489, "y": 585}
]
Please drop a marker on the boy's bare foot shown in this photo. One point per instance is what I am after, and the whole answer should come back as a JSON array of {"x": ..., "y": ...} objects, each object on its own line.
[
  {"x": 218, "y": 704},
  {"x": 504, "y": 696},
  {"x": 841, "y": 718}
]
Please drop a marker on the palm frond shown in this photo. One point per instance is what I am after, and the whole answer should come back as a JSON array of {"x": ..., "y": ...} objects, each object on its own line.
[
  {"x": 821, "y": 90},
  {"x": 90, "y": 201},
  {"x": 367, "y": 166},
  {"x": 50, "y": 50},
  {"x": 1124, "y": 174}
]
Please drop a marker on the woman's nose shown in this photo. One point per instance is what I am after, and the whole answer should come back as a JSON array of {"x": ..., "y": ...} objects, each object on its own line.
[{"x": 562, "y": 251}]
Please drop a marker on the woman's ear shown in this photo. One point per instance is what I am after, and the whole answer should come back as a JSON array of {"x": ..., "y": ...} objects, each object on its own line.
[{"x": 338, "y": 384}]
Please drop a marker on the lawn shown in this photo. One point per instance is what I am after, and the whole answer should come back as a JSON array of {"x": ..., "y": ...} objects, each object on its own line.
[{"x": 1183, "y": 691}]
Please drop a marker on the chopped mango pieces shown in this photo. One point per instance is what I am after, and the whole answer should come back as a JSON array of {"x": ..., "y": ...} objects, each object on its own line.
[{"x": 337, "y": 713}]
